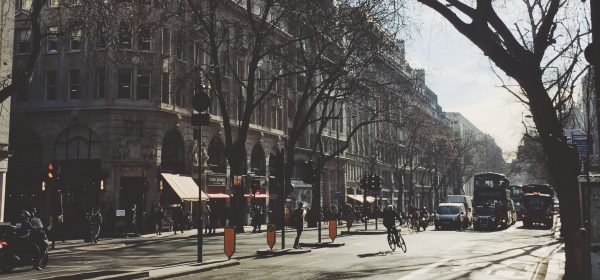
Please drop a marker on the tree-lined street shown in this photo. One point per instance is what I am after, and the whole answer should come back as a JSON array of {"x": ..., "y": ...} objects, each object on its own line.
[{"x": 513, "y": 253}]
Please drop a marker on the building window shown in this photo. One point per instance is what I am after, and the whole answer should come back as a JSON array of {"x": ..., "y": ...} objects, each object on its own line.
[
  {"x": 75, "y": 40},
  {"x": 50, "y": 85},
  {"x": 125, "y": 84},
  {"x": 52, "y": 39},
  {"x": 198, "y": 54},
  {"x": 143, "y": 85},
  {"x": 23, "y": 40},
  {"x": 166, "y": 88},
  {"x": 53, "y": 3},
  {"x": 179, "y": 52},
  {"x": 74, "y": 92},
  {"x": 179, "y": 92},
  {"x": 166, "y": 41},
  {"x": 100, "y": 37},
  {"x": 24, "y": 5},
  {"x": 144, "y": 39},
  {"x": 100, "y": 83},
  {"x": 125, "y": 37}
]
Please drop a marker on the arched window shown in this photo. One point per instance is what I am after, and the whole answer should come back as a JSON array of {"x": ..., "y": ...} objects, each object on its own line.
[
  {"x": 77, "y": 142},
  {"x": 216, "y": 156},
  {"x": 172, "y": 152},
  {"x": 257, "y": 161}
]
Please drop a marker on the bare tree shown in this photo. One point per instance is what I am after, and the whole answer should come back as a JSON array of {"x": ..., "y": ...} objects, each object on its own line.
[{"x": 548, "y": 37}]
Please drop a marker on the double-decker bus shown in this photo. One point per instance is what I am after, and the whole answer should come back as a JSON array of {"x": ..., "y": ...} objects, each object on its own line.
[
  {"x": 516, "y": 194},
  {"x": 492, "y": 203},
  {"x": 538, "y": 203}
]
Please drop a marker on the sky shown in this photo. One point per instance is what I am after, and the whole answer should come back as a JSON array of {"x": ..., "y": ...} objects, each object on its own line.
[{"x": 463, "y": 79}]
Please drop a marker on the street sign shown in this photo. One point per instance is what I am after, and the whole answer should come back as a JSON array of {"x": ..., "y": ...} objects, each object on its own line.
[
  {"x": 200, "y": 119},
  {"x": 229, "y": 242},
  {"x": 332, "y": 230},
  {"x": 271, "y": 235}
]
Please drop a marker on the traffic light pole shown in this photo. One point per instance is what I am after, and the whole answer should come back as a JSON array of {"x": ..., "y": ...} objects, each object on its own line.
[{"x": 283, "y": 201}]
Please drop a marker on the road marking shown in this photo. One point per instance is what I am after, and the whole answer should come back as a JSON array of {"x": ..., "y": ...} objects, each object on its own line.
[{"x": 414, "y": 274}]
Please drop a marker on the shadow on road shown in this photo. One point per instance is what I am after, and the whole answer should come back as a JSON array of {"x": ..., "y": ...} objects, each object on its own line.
[{"x": 380, "y": 253}]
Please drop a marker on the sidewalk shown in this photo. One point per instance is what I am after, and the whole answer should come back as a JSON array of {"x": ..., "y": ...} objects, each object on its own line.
[
  {"x": 120, "y": 242},
  {"x": 556, "y": 264}
]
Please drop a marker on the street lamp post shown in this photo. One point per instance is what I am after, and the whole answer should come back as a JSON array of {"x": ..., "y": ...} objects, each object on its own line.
[{"x": 200, "y": 103}]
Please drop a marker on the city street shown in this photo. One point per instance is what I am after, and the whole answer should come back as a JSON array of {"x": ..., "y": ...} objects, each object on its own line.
[{"x": 514, "y": 253}]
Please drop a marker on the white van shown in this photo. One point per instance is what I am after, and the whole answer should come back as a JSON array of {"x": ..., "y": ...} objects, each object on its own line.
[{"x": 466, "y": 201}]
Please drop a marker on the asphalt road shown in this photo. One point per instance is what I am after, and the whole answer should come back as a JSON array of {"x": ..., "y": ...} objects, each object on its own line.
[{"x": 513, "y": 253}]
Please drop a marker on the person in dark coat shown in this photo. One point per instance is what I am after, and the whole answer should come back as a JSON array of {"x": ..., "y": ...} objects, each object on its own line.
[
  {"x": 157, "y": 217},
  {"x": 133, "y": 220},
  {"x": 298, "y": 222},
  {"x": 256, "y": 220},
  {"x": 96, "y": 223},
  {"x": 178, "y": 219}
]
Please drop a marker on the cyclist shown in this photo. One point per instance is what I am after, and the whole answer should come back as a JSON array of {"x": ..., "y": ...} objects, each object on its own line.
[{"x": 389, "y": 220}]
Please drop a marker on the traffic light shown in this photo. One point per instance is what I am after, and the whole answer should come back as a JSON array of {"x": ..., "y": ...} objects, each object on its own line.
[
  {"x": 370, "y": 182},
  {"x": 146, "y": 185},
  {"x": 53, "y": 172},
  {"x": 309, "y": 172},
  {"x": 376, "y": 182},
  {"x": 276, "y": 172}
]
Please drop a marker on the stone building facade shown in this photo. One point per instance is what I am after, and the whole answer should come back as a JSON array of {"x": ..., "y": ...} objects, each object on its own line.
[{"x": 6, "y": 46}]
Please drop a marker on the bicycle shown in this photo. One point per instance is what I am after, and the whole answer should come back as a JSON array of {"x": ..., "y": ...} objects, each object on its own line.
[{"x": 391, "y": 237}]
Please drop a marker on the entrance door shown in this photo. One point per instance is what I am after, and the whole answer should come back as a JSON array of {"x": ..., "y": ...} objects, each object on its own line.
[{"x": 132, "y": 191}]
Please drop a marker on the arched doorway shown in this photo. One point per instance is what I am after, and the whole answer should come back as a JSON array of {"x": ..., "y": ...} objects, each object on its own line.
[
  {"x": 24, "y": 179},
  {"x": 258, "y": 164},
  {"x": 77, "y": 154}
]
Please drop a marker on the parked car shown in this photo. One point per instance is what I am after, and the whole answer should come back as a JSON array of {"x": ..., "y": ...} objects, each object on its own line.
[{"x": 451, "y": 215}]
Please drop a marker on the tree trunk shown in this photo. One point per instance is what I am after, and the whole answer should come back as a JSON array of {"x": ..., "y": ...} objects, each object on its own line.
[{"x": 563, "y": 164}]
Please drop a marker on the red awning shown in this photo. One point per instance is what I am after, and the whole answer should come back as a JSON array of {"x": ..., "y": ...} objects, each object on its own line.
[
  {"x": 258, "y": 195},
  {"x": 218, "y": 195}
]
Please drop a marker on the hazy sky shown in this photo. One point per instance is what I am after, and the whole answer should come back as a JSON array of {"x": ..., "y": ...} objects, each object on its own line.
[{"x": 461, "y": 76}]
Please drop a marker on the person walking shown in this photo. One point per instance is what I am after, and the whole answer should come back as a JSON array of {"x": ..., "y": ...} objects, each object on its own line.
[
  {"x": 256, "y": 219},
  {"x": 177, "y": 219},
  {"x": 132, "y": 221},
  {"x": 157, "y": 217},
  {"x": 298, "y": 222},
  {"x": 96, "y": 223}
]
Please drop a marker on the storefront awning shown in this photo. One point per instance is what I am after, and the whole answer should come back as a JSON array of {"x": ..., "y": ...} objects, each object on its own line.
[
  {"x": 218, "y": 195},
  {"x": 184, "y": 186},
  {"x": 257, "y": 195},
  {"x": 359, "y": 198}
]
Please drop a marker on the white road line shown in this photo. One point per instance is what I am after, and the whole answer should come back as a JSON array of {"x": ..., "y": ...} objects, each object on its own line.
[{"x": 414, "y": 274}]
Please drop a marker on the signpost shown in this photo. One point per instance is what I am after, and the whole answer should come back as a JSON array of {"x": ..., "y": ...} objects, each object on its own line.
[
  {"x": 229, "y": 242},
  {"x": 271, "y": 238},
  {"x": 332, "y": 229}
]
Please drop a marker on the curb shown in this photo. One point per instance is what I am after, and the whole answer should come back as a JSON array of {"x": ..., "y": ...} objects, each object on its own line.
[
  {"x": 267, "y": 252},
  {"x": 323, "y": 245},
  {"x": 367, "y": 232},
  {"x": 191, "y": 269}
]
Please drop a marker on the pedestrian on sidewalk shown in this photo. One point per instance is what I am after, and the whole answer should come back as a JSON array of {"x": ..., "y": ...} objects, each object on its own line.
[
  {"x": 96, "y": 223},
  {"x": 177, "y": 219},
  {"x": 132, "y": 221},
  {"x": 298, "y": 223},
  {"x": 157, "y": 218},
  {"x": 256, "y": 219}
]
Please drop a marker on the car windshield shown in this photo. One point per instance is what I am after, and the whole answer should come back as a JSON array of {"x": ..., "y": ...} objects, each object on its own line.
[
  {"x": 485, "y": 211},
  {"x": 447, "y": 210}
]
